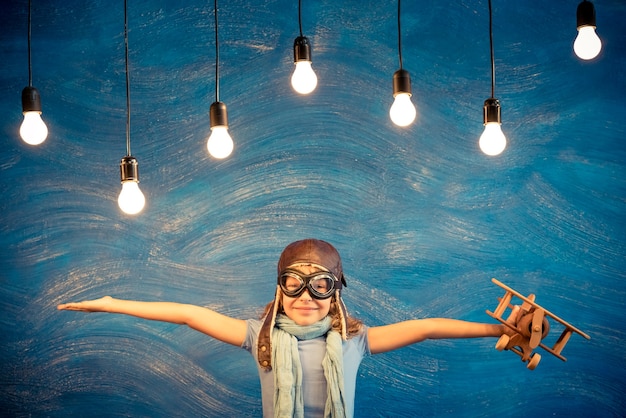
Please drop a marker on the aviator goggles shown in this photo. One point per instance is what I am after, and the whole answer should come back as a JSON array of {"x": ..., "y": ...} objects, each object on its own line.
[{"x": 321, "y": 284}]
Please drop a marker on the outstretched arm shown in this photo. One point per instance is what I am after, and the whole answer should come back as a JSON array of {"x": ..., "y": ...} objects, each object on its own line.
[
  {"x": 207, "y": 321},
  {"x": 401, "y": 334}
]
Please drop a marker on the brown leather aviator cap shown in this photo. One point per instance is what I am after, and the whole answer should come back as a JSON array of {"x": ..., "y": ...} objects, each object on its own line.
[{"x": 312, "y": 251}]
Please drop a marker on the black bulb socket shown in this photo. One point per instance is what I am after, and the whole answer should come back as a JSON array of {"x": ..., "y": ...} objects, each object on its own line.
[
  {"x": 301, "y": 49},
  {"x": 491, "y": 111},
  {"x": 129, "y": 169},
  {"x": 218, "y": 115},
  {"x": 31, "y": 101},
  {"x": 585, "y": 15},
  {"x": 401, "y": 82}
]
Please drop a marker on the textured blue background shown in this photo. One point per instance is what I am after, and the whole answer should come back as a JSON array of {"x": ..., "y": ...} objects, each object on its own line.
[{"x": 422, "y": 218}]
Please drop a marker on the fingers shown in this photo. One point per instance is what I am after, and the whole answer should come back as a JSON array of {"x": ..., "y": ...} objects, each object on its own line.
[
  {"x": 514, "y": 315},
  {"x": 96, "y": 305},
  {"x": 72, "y": 306},
  {"x": 512, "y": 320}
]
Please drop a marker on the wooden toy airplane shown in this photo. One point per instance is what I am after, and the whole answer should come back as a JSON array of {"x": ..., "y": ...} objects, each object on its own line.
[{"x": 531, "y": 328}]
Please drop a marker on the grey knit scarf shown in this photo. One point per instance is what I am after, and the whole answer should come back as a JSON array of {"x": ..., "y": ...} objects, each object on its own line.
[{"x": 288, "y": 399}]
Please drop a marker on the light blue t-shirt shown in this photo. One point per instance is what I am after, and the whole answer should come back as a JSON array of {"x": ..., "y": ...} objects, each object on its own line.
[{"x": 313, "y": 381}]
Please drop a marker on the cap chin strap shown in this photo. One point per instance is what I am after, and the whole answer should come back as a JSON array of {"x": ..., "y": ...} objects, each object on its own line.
[
  {"x": 264, "y": 341},
  {"x": 343, "y": 314}
]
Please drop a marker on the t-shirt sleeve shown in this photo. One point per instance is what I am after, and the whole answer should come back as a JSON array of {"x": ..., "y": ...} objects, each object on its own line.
[
  {"x": 361, "y": 342},
  {"x": 252, "y": 333}
]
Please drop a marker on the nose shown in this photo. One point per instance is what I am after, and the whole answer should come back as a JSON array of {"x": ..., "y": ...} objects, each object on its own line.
[{"x": 305, "y": 295}]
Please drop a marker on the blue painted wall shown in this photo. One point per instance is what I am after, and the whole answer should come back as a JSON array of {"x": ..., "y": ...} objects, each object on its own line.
[{"x": 422, "y": 218}]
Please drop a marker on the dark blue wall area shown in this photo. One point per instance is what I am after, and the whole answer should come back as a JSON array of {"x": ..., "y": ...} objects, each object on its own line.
[{"x": 422, "y": 218}]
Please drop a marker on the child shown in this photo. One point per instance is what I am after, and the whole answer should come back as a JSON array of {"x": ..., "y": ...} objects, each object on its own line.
[{"x": 308, "y": 349}]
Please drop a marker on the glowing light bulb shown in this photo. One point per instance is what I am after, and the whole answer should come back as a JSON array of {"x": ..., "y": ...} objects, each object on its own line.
[
  {"x": 220, "y": 144},
  {"x": 131, "y": 200},
  {"x": 402, "y": 111},
  {"x": 587, "y": 44},
  {"x": 33, "y": 129},
  {"x": 304, "y": 79},
  {"x": 492, "y": 142}
]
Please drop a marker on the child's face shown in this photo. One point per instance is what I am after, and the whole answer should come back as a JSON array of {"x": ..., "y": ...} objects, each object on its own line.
[{"x": 303, "y": 309}]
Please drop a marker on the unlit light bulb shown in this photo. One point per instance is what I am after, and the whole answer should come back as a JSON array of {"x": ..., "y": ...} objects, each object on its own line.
[
  {"x": 220, "y": 144},
  {"x": 587, "y": 44},
  {"x": 131, "y": 200},
  {"x": 33, "y": 129},
  {"x": 492, "y": 142},
  {"x": 402, "y": 111}
]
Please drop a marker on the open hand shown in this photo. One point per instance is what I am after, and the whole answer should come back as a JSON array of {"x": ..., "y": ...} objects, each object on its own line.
[{"x": 96, "y": 305}]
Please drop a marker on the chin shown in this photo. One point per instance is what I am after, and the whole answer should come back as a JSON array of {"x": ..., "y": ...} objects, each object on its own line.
[{"x": 306, "y": 321}]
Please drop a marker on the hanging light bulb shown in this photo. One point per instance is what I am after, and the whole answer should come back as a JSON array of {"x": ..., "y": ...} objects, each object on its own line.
[
  {"x": 130, "y": 200},
  {"x": 33, "y": 130},
  {"x": 303, "y": 79},
  {"x": 219, "y": 144},
  {"x": 492, "y": 142},
  {"x": 402, "y": 111},
  {"x": 587, "y": 44}
]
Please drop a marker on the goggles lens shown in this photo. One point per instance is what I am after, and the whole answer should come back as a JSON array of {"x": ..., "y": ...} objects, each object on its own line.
[{"x": 321, "y": 284}]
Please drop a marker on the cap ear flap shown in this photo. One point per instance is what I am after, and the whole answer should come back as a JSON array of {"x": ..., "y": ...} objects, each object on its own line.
[
  {"x": 264, "y": 341},
  {"x": 343, "y": 315}
]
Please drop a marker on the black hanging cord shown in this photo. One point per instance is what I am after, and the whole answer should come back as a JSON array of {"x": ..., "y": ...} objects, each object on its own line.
[
  {"x": 217, "y": 59},
  {"x": 30, "y": 69},
  {"x": 127, "y": 79},
  {"x": 399, "y": 36},
  {"x": 493, "y": 64},
  {"x": 300, "y": 16}
]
